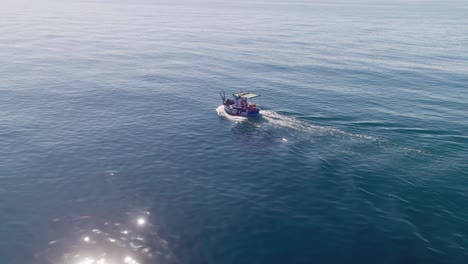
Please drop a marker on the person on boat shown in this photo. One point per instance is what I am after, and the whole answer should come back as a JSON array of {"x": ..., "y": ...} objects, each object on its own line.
[
  {"x": 239, "y": 102},
  {"x": 244, "y": 103}
]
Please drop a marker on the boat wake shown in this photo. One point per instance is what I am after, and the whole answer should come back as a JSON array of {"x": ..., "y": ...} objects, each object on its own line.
[
  {"x": 272, "y": 118},
  {"x": 317, "y": 133},
  {"x": 292, "y": 130}
]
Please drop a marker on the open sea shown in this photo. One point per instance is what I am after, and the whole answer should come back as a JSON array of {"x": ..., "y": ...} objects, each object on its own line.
[{"x": 114, "y": 148}]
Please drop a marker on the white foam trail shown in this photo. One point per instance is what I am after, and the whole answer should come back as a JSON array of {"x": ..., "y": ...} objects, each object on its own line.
[
  {"x": 285, "y": 121},
  {"x": 221, "y": 112},
  {"x": 274, "y": 118},
  {"x": 291, "y": 122}
]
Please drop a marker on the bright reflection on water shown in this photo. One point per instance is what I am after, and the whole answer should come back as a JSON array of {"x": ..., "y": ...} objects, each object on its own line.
[
  {"x": 141, "y": 221},
  {"x": 89, "y": 240},
  {"x": 93, "y": 261},
  {"x": 129, "y": 260}
]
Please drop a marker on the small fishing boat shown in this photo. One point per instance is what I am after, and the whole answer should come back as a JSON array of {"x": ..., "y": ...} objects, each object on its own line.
[{"x": 241, "y": 104}]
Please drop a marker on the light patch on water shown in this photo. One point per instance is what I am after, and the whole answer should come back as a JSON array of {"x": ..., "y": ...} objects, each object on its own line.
[
  {"x": 129, "y": 260},
  {"x": 141, "y": 221},
  {"x": 108, "y": 242},
  {"x": 87, "y": 261}
]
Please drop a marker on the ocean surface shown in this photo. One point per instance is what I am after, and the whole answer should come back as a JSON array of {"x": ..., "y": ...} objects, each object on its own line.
[{"x": 113, "y": 148}]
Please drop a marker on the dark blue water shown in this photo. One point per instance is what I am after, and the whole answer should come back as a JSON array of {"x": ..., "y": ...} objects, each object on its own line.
[{"x": 112, "y": 149}]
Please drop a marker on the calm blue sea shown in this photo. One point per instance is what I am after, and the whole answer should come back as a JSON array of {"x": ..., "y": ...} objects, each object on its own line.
[{"x": 113, "y": 148}]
